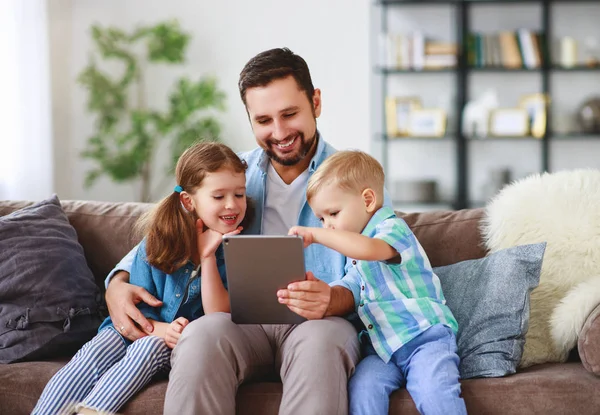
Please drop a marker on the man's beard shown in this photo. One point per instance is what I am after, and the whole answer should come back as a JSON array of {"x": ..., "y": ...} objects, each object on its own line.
[{"x": 305, "y": 147}]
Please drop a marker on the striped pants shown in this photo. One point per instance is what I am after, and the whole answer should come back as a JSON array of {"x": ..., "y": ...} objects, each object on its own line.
[{"x": 104, "y": 374}]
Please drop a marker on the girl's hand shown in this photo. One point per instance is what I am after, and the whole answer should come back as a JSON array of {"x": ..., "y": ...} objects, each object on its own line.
[
  {"x": 306, "y": 234},
  {"x": 209, "y": 240},
  {"x": 174, "y": 331}
]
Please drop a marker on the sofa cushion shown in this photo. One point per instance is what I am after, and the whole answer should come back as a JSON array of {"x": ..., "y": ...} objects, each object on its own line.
[
  {"x": 50, "y": 302},
  {"x": 490, "y": 300},
  {"x": 589, "y": 342}
]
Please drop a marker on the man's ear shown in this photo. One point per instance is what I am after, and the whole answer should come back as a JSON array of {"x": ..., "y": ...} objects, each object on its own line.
[
  {"x": 316, "y": 101},
  {"x": 186, "y": 201},
  {"x": 370, "y": 199}
]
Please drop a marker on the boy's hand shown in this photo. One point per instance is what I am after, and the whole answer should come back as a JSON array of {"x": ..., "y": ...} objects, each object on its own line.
[
  {"x": 306, "y": 234},
  {"x": 309, "y": 298},
  {"x": 209, "y": 240},
  {"x": 174, "y": 331}
]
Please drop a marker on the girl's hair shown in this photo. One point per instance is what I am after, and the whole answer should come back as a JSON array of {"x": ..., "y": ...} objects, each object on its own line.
[
  {"x": 350, "y": 170},
  {"x": 170, "y": 230}
]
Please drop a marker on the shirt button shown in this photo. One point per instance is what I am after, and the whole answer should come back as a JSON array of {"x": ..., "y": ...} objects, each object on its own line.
[
  {"x": 361, "y": 304},
  {"x": 362, "y": 288},
  {"x": 177, "y": 295},
  {"x": 370, "y": 326},
  {"x": 354, "y": 262},
  {"x": 187, "y": 271}
]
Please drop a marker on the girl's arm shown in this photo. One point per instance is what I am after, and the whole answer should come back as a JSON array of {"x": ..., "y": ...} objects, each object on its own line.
[
  {"x": 159, "y": 328},
  {"x": 350, "y": 244},
  {"x": 215, "y": 297}
]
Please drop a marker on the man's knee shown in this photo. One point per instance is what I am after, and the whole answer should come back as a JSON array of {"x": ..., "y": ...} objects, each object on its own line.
[
  {"x": 329, "y": 333},
  {"x": 208, "y": 329}
]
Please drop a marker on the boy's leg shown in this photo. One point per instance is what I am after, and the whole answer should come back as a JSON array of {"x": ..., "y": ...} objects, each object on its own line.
[
  {"x": 432, "y": 373},
  {"x": 212, "y": 358},
  {"x": 372, "y": 384},
  {"x": 144, "y": 358},
  {"x": 315, "y": 359},
  {"x": 72, "y": 383}
]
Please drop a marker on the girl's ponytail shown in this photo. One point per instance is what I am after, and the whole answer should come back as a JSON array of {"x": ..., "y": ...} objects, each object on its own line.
[{"x": 170, "y": 234}]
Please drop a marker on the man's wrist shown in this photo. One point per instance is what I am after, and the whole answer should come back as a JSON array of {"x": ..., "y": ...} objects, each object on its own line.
[
  {"x": 120, "y": 276},
  {"x": 341, "y": 302}
]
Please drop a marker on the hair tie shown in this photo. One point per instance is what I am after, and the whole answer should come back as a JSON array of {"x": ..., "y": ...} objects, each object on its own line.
[{"x": 178, "y": 189}]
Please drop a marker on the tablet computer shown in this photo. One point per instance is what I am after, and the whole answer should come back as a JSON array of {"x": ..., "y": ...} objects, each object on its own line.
[{"x": 257, "y": 266}]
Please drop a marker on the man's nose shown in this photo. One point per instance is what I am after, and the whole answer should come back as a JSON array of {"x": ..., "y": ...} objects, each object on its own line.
[{"x": 279, "y": 130}]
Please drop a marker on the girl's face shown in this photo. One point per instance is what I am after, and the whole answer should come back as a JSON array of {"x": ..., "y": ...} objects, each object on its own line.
[{"x": 221, "y": 200}]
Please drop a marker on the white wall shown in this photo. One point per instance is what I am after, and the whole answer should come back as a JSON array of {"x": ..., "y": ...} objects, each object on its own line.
[
  {"x": 332, "y": 36},
  {"x": 337, "y": 38},
  {"x": 435, "y": 160}
]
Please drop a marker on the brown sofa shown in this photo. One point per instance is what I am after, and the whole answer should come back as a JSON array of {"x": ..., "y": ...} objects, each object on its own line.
[{"x": 104, "y": 230}]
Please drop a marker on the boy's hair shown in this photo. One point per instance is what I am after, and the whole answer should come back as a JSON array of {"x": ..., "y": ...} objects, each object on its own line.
[
  {"x": 169, "y": 229},
  {"x": 351, "y": 170},
  {"x": 274, "y": 64}
]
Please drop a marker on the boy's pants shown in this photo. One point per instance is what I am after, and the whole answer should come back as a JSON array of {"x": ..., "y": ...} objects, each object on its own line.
[
  {"x": 427, "y": 365},
  {"x": 104, "y": 374}
]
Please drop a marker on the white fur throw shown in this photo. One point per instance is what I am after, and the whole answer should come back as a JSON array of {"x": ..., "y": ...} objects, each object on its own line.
[{"x": 562, "y": 209}]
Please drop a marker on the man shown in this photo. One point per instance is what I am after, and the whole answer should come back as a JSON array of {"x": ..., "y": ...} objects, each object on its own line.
[{"x": 314, "y": 359}]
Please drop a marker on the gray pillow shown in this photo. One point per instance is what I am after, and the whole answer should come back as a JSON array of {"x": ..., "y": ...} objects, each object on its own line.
[
  {"x": 49, "y": 300},
  {"x": 490, "y": 300}
]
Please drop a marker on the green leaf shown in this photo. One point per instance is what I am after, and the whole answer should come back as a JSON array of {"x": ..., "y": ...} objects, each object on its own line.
[{"x": 124, "y": 144}]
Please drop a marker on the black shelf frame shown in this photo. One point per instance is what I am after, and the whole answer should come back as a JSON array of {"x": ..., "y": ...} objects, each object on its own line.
[{"x": 462, "y": 71}]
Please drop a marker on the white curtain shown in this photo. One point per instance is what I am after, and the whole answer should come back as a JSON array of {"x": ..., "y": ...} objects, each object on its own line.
[{"x": 26, "y": 158}]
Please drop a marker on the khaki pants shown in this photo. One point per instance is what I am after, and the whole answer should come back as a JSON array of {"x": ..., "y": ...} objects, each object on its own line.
[{"x": 214, "y": 356}]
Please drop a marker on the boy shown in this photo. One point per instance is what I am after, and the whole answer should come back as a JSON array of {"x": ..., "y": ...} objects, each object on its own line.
[{"x": 410, "y": 332}]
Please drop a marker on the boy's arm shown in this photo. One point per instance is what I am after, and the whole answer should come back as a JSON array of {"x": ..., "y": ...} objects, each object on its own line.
[{"x": 350, "y": 244}]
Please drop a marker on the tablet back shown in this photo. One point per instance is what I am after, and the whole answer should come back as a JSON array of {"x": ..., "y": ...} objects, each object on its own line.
[{"x": 257, "y": 266}]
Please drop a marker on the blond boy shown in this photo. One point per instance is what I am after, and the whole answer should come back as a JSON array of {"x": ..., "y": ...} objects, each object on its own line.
[{"x": 409, "y": 337}]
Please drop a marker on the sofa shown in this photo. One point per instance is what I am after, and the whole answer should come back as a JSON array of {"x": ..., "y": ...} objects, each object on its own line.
[{"x": 104, "y": 230}]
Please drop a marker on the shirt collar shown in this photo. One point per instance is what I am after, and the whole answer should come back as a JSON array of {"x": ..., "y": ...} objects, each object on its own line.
[
  {"x": 263, "y": 161},
  {"x": 383, "y": 213}
]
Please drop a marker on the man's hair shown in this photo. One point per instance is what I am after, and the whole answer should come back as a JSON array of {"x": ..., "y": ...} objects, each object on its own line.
[
  {"x": 351, "y": 170},
  {"x": 274, "y": 64}
]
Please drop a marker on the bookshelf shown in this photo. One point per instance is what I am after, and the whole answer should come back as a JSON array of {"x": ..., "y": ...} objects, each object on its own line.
[{"x": 462, "y": 148}]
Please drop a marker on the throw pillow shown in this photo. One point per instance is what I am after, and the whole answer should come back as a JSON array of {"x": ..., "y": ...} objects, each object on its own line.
[
  {"x": 490, "y": 299},
  {"x": 49, "y": 300}
]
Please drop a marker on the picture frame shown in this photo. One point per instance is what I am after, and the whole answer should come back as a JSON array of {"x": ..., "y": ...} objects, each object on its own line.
[
  {"x": 536, "y": 106},
  {"x": 398, "y": 111},
  {"x": 509, "y": 122},
  {"x": 429, "y": 122}
]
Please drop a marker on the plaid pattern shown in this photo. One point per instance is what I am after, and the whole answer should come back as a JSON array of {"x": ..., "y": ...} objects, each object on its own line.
[{"x": 397, "y": 301}]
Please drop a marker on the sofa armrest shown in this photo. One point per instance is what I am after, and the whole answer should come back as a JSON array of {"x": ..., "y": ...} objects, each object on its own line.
[{"x": 589, "y": 342}]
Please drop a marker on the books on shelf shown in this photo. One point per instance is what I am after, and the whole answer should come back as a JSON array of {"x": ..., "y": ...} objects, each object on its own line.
[
  {"x": 523, "y": 48},
  {"x": 413, "y": 51}
]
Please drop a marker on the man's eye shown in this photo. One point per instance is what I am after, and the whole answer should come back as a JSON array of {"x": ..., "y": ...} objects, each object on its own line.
[
  {"x": 289, "y": 115},
  {"x": 262, "y": 122}
]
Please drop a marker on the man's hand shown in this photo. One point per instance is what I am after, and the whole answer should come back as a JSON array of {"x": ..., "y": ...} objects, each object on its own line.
[
  {"x": 309, "y": 298},
  {"x": 121, "y": 299},
  {"x": 209, "y": 240},
  {"x": 174, "y": 331},
  {"x": 305, "y": 232}
]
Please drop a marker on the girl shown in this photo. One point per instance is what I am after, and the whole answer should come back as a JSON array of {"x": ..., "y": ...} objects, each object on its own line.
[{"x": 182, "y": 235}]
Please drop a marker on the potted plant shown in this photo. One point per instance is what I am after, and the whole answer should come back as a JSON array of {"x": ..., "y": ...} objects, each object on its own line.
[{"x": 128, "y": 131}]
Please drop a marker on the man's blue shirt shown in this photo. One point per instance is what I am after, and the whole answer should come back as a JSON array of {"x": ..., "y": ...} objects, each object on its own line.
[{"x": 326, "y": 264}]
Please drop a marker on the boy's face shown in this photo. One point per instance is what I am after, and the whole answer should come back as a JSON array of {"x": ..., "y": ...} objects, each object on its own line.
[
  {"x": 340, "y": 209},
  {"x": 283, "y": 120},
  {"x": 220, "y": 201}
]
